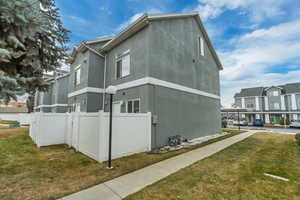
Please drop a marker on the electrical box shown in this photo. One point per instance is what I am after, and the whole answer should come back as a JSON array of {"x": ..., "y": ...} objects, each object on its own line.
[{"x": 154, "y": 119}]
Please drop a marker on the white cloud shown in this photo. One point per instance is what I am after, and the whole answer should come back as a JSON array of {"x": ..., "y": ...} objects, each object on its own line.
[
  {"x": 129, "y": 21},
  {"x": 257, "y": 9},
  {"x": 136, "y": 16},
  {"x": 257, "y": 53}
]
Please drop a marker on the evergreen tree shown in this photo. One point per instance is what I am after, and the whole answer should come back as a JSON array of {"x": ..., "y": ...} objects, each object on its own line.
[{"x": 32, "y": 42}]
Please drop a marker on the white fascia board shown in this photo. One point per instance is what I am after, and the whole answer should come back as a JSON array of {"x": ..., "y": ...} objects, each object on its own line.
[
  {"x": 86, "y": 90},
  {"x": 154, "y": 81},
  {"x": 50, "y": 106}
]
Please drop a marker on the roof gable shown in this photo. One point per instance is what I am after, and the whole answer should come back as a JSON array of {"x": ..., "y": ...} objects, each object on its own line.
[{"x": 144, "y": 20}]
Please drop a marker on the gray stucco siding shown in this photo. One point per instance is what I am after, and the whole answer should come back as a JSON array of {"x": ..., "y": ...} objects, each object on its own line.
[
  {"x": 82, "y": 99},
  {"x": 140, "y": 92},
  {"x": 250, "y": 101},
  {"x": 182, "y": 113},
  {"x": 298, "y": 101},
  {"x": 138, "y": 46},
  {"x": 94, "y": 102},
  {"x": 47, "y": 96},
  {"x": 174, "y": 55},
  {"x": 61, "y": 90},
  {"x": 81, "y": 59},
  {"x": 95, "y": 71},
  {"x": 238, "y": 102},
  {"x": 274, "y": 99},
  {"x": 89, "y": 102}
]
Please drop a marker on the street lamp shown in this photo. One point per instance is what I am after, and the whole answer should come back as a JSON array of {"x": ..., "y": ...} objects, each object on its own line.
[{"x": 111, "y": 90}]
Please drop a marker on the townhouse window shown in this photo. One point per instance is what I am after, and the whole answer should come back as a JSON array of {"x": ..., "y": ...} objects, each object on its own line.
[
  {"x": 250, "y": 105},
  {"x": 275, "y": 93},
  {"x": 77, "y": 75},
  {"x": 133, "y": 106},
  {"x": 276, "y": 106},
  {"x": 123, "y": 65},
  {"x": 200, "y": 46}
]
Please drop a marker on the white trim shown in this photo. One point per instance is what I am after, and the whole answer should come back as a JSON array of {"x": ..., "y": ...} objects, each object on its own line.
[
  {"x": 145, "y": 81},
  {"x": 257, "y": 103},
  {"x": 86, "y": 90},
  {"x": 243, "y": 103},
  {"x": 50, "y": 106},
  {"x": 267, "y": 112},
  {"x": 132, "y": 100},
  {"x": 78, "y": 66},
  {"x": 201, "y": 46},
  {"x": 267, "y": 118},
  {"x": 266, "y": 103},
  {"x": 282, "y": 102},
  {"x": 120, "y": 57},
  {"x": 154, "y": 81},
  {"x": 294, "y": 102}
]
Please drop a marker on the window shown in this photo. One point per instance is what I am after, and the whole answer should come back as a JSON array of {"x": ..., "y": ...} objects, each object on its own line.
[
  {"x": 133, "y": 106},
  {"x": 250, "y": 105},
  {"x": 123, "y": 65},
  {"x": 77, "y": 76},
  {"x": 276, "y": 106},
  {"x": 275, "y": 93},
  {"x": 201, "y": 46}
]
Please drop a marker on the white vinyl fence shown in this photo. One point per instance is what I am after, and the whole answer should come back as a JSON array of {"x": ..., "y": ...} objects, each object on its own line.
[
  {"x": 23, "y": 118},
  {"x": 88, "y": 132}
]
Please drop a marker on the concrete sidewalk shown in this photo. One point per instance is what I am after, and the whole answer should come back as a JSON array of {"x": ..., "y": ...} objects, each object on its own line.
[{"x": 125, "y": 185}]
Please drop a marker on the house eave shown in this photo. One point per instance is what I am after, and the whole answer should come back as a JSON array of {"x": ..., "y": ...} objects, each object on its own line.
[{"x": 140, "y": 23}]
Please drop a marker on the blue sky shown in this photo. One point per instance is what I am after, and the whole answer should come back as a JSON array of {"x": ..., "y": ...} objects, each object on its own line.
[{"x": 258, "y": 41}]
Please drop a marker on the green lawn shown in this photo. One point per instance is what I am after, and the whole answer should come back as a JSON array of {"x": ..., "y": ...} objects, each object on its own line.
[
  {"x": 27, "y": 172},
  {"x": 236, "y": 173}
]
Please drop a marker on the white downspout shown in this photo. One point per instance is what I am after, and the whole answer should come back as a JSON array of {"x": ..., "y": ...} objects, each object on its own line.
[{"x": 104, "y": 84}]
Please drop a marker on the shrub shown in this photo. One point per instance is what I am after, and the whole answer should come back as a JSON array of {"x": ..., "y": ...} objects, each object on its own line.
[{"x": 297, "y": 136}]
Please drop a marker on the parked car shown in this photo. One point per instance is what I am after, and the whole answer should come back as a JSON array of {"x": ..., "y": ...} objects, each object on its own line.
[
  {"x": 258, "y": 122},
  {"x": 295, "y": 124},
  {"x": 242, "y": 122}
]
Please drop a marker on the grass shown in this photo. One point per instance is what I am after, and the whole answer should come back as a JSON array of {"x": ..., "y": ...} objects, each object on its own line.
[
  {"x": 28, "y": 172},
  {"x": 236, "y": 173}
]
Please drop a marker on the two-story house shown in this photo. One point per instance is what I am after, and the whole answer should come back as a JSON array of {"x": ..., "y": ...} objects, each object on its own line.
[
  {"x": 270, "y": 103},
  {"x": 56, "y": 98},
  {"x": 162, "y": 63}
]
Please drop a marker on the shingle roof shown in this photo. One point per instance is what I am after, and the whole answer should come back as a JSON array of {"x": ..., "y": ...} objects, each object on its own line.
[
  {"x": 292, "y": 88},
  {"x": 246, "y": 92},
  {"x": 258, "y": 91}
]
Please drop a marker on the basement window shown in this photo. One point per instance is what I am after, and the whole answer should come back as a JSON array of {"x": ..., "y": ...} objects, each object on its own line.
[
  {"x": 133, "y": 106},
  {"x": 123, "y": 65}
]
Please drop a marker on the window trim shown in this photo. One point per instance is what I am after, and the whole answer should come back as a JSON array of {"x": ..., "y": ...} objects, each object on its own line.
[
  {"x": 118, "y": 58},
  {"x": 200, "y": 45},
  {"x": 276, "y": 107},
  {"x": 136, "y": 99},
  {"x": 76, "y": 82},
  {"x": 277, "y": 93}
]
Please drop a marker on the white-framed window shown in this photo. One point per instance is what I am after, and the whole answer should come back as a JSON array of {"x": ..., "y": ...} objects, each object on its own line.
[
  {"x": 276, "y": 106},
  {"x": 200, "y": 46},
  {"x": 275, "y": 93},
  {"x": 77, "y": 75},
  {"x": 123, "y": 65},
  {"x": 250, "y": 105},
  {"x": 133, "y": 106}
]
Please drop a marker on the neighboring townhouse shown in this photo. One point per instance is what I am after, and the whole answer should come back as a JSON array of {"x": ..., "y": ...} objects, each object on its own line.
[
  {"x": 56, "y": 98},
  {"x": 164, "y": 64},
  {"x": 270, "y": 103}
]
